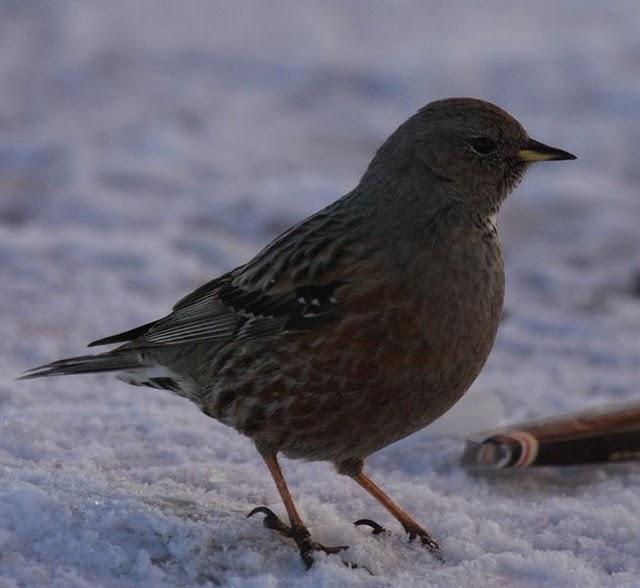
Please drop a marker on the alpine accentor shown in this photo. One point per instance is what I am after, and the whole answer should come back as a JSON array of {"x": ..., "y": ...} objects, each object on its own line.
[{"x": 361, "y": 324}]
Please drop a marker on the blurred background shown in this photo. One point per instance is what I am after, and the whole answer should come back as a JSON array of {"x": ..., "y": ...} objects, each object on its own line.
[{"x": 148, "y": 146}]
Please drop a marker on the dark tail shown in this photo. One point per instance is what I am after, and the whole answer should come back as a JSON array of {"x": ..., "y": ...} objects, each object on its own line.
[{"x": 85, "y": 364}]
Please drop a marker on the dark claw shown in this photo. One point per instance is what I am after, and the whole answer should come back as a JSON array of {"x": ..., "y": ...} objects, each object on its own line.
[
  {"x": 307, "y": 558},
  {"x": 271, "y": 520},
  {"x": 264, "y": 510},
  {"x": 425, "y": 538},
  {"x": 427, "y": 541},
  {"x": 377, "y": 527},
  {"x": 299, "y": 535}
]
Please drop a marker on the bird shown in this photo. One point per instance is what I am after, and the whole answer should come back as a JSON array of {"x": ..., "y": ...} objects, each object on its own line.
[{"x": 359, "y": 325}]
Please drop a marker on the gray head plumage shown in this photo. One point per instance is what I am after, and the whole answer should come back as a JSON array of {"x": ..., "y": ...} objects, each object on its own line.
[{"x": 463, "y": 149}]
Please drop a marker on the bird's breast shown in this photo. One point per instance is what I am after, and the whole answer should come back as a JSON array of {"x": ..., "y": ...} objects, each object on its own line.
[{"x": 441, "y": 306}]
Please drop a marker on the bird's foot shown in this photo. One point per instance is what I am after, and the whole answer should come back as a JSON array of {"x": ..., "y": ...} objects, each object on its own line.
[
  {"x": 412, "y": 532},
  {"x": 425, "y": 539},
  {"x": 300, "y": 535}
]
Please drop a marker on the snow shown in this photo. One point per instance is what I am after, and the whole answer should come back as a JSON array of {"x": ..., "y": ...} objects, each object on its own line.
[{"x": 148, "y": 146}]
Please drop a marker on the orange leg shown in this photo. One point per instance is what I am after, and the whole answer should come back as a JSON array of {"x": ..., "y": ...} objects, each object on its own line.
[
  {"x": 276, "y": 473},
  {"x": 297, "y": 530},
  {"x": 410, "y": 526}
]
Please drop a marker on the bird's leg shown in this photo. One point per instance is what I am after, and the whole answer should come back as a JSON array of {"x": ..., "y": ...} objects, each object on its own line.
[
  {"x": 410, "y": 526},
  {"x": 297, "y": 530}
]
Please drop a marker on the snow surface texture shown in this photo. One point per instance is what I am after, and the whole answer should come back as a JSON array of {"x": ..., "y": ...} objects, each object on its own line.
[{"x": 148, "y": 146}]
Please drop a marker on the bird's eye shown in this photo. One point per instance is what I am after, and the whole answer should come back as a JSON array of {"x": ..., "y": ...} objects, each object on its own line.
[{"x": 482, "y": 145}]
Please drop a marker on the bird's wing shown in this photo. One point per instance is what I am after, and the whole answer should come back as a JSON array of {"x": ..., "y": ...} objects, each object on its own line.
[{"x": 291, "y": 285}]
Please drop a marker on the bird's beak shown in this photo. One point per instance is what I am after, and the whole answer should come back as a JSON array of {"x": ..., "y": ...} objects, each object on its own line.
[{"x": 536, "y": 151}]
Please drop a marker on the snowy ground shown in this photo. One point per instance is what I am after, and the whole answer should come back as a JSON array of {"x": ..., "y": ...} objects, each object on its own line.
[{"x": 147, "y": 146}]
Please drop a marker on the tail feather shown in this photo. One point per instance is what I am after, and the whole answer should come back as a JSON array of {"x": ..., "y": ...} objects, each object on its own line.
[
  {"x": 129, "y": 335},
  {"x": 85, "y": 364}
]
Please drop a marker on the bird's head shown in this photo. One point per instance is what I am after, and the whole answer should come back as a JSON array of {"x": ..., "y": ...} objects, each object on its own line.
[{"x": 464, "y": 149}]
